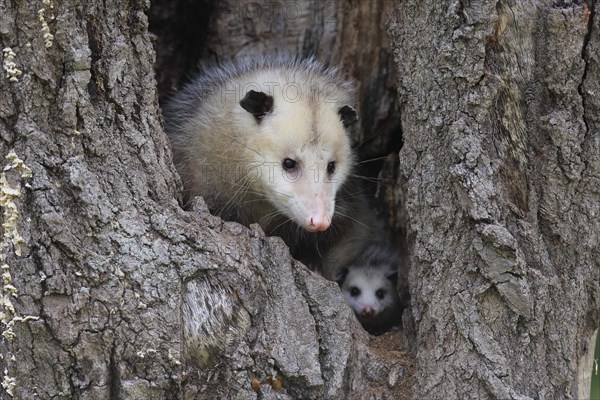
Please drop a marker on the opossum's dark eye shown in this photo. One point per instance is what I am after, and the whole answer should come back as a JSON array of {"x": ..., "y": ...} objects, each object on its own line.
[
  {"x": 289, "y": 164},
  {"x": 331, "y": 167},
  {"x": 354, "y": 291},
  {"x": 380, "y": 294}
]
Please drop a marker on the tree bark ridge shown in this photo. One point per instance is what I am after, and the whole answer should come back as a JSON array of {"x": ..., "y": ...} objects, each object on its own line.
[{"x": 500, "y": 173}]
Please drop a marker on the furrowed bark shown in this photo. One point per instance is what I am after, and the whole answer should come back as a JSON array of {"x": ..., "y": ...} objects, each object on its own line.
[{"x": 501, "y": 168}]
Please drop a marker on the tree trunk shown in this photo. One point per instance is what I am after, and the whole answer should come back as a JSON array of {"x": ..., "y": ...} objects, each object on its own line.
[
  {"x": 501, "y": 171},
  {"x": 111, "y": 290}
]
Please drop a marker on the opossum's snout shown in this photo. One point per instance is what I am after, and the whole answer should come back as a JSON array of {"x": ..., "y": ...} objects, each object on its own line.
[
  {"x": 310, "y": 207},
  {"x": 316, "y": 211},
  {"x": 319, "y": 220},
  {"x": 308, "y": 203},
  {"x": 318, "y": 224},
  {"x": 368, "y": 312}
]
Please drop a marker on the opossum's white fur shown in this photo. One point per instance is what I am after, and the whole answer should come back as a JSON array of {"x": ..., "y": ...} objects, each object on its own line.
[
  {"x": 369, "y": 287},
  {"x": 234, "y": 158}
]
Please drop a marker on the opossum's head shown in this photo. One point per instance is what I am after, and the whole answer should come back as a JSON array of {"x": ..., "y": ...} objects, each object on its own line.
[
  {"x": 369, "y": 285},
  {"x": 301, "y": 152}
]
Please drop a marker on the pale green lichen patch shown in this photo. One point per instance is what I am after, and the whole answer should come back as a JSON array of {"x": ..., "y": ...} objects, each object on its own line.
[
  {"x": 10, "y": 66},
  {"x": 48, "y": 37},
  {"x": 10, "y": 213},
  {"x": 173, "y": 359},
  {"x": 7, "y": 307},
  {"x": 9, "y": 333},
  {"x": 18, "y": 164},
  {"x": 11, "y": 239},
  {"x": 10, "y": 216},
  {"x": 8, "y": 383}
]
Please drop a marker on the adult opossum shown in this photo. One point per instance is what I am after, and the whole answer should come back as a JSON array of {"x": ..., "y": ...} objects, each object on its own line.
[{"x": 265, "y": 141}]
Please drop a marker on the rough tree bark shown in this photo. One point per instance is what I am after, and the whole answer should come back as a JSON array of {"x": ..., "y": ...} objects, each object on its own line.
[
  {"x": 500, "y": 115},
  {"x": 111, "y": 290},
  {"x": 501, "y": 172}
]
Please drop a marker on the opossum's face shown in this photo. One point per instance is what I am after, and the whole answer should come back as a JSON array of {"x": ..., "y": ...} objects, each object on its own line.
[
  {"x": 303, "y": 156},
  {"x": 369, "y": 291}
]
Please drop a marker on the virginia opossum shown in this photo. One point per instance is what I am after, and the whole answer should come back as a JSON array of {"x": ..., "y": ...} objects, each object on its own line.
[
  {"x": 369, "y": 285},
  {"x": 265, "y": 141}
]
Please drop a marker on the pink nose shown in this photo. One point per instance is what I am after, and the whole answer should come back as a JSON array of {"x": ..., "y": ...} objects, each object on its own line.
[
  {"x": 368, "y": 312},
  {"x": 317, "y": 223}
]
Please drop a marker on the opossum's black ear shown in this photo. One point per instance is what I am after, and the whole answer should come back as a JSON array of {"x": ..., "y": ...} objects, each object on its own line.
[
  {"x": 340, "y": 275},
  {"x": 257, "y": 104},
  {"x": 393, "y": 277},
  {"x": 348, "y": 115}
]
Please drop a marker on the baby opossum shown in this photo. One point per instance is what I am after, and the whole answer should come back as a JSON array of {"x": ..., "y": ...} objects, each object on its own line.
[
  {"x": 369, "y": 285},
  {"x": 265, "y": 141}
]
